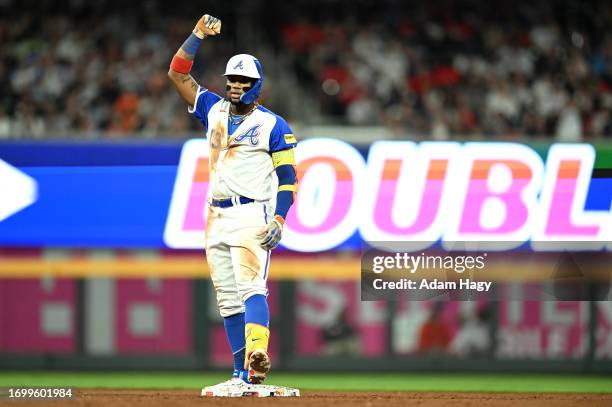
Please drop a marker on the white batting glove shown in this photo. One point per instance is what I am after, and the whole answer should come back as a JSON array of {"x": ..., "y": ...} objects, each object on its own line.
[
  {"x": 271, "y": 234},
  {"x": 207, "y": 26}
]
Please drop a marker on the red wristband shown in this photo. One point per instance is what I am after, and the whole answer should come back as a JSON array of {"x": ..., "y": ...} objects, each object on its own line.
[{"x": 181, "y": 65}]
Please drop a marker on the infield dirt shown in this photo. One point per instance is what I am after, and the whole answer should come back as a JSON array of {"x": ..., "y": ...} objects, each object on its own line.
[{"x": 153, "y": 398}]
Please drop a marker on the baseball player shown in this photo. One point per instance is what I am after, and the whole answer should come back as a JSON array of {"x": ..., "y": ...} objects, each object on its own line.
[{"x": 248, "y": 145}]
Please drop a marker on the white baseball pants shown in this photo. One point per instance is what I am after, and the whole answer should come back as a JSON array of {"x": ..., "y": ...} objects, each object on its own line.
[{"x": 238, "y": 264}]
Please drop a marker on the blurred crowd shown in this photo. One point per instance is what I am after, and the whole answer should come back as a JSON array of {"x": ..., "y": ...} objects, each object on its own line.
[
  {"x": 428, "y": 70},
  {"x": 491, "y": 69}
]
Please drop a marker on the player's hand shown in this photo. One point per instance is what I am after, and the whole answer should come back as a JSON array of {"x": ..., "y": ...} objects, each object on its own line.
[
  {"x": 271, "y": 234},
  {"x": 207, "y": 26}
]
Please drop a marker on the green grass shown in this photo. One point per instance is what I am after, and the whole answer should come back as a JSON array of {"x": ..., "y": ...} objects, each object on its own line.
[{"x": 324, "y": 381}]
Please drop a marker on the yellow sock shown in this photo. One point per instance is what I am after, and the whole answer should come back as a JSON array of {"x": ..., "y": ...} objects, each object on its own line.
[{"x": 257, "y": 337}]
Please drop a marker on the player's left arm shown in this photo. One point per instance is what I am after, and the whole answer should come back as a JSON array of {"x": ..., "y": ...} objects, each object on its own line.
[{"x": 284, "y": 165}]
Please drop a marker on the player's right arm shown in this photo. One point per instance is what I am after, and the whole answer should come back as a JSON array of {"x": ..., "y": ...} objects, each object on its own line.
[{"x": 182, "y": 61}]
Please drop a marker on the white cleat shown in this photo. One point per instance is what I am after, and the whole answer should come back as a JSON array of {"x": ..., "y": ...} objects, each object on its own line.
[{"x": 237, "y": 388}]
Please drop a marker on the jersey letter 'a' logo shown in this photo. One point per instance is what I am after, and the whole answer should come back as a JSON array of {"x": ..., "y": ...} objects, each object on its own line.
[
  {"x": 252, "y": 134},
  {"x": 239, "y": 66}
]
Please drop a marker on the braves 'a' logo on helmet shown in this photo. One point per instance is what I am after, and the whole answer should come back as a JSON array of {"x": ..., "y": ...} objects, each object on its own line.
[
  {"x": 239, "y": 66},
  {"x": 252, "y": 134}
]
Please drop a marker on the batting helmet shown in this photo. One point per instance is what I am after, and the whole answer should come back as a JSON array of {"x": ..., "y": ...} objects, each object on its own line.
[{"x": 249, "y": 66}]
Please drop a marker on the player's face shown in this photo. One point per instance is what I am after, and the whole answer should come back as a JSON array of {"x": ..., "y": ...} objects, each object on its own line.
[{"x": 236, "y": 85}]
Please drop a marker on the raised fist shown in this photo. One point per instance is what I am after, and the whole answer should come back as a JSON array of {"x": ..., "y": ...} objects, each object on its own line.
[{"x": 207, "y": 26}]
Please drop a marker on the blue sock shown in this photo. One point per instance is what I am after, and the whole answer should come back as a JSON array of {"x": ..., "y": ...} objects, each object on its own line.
[
  {"x": 234, "y": 329},
  {"x": 257, "y": 311}
]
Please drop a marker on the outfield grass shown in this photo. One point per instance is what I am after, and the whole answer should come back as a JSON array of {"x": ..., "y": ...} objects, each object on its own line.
[{"x": 323, "y": 381}]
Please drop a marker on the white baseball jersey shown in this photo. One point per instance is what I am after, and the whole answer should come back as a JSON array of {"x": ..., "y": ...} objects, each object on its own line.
[{"x": 240, "y": 161}]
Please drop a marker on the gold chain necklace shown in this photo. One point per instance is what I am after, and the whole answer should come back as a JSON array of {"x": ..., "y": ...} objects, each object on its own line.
[{"x": 238, "y": 119}]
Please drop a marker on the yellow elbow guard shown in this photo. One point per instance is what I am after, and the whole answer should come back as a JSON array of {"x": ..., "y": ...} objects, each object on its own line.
[{"x": 283, "y": 157}]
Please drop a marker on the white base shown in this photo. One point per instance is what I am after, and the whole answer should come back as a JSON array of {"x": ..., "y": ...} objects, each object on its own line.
[{"x": 249, "y": 390}]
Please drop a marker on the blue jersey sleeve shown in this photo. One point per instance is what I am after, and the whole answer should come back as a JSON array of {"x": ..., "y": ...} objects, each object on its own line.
[
  {"x": 203, "y": 102},
  {"x": 281, "y": 137}
]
